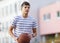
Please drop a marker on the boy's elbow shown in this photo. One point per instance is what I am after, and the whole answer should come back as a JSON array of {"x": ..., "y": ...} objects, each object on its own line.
[{"x": 10, "y": 29}]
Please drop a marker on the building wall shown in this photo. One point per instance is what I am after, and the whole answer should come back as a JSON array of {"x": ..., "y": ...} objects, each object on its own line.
[
  {"x": 7, "y": 12},
  {"x": 52, "y": 25},
  {"x": 8, "y": 9}
]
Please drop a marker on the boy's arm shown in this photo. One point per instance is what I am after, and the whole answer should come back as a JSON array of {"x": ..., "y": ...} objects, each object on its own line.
[
  {"x": 34, "y": 32},
  {"x": 11, "y": 32}
]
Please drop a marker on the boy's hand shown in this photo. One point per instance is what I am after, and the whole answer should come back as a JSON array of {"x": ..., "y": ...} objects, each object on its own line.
[{"x": 34, "y": 35}]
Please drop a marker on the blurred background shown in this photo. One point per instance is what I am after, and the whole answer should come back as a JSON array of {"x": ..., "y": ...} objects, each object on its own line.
[{"x": 47, "y": 13}]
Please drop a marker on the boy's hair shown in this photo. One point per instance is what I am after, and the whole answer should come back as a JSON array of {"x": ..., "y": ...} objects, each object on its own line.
[{"x": 25, "y": 3}]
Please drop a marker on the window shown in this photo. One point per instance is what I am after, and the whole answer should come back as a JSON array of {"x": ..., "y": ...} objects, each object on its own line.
[
  {"x": 47, "y": 16},
  {"x": 10, "y": 8},
  {"x": 2, "y": 12},
  {"x": 15, "y": 7},
  {"x": 58, "y": 14},
  {"x": 44, "y": 17},
  {"x": 6, "y": 10}
]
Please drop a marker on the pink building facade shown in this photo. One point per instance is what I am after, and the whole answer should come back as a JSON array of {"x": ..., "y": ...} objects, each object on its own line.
[{"x": 50, "y": 19}]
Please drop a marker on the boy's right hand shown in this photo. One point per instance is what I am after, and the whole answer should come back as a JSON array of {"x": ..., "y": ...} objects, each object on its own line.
[{"x": 16, "y": 39}]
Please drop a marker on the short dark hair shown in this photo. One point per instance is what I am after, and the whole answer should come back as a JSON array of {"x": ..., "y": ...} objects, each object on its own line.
[{"x": 25, "y": 3}]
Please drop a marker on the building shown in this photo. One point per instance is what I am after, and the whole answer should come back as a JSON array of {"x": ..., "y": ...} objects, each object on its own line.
[
  {"x": 8, "y": 9},
  {"x": 50, "y": 22}
]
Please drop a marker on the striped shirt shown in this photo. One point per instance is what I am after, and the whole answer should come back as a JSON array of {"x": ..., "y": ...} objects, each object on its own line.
[{"x": 23, "y": 25}]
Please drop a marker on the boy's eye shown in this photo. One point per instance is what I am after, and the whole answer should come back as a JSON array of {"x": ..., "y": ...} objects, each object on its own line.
[{"x": 25, "y": 7}]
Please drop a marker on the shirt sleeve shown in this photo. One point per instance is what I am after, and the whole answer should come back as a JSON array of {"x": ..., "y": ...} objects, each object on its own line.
[{"x": 13, "y": 22}]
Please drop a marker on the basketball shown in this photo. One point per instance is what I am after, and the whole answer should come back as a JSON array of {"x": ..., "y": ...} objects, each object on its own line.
[{"x": 24, "y": 38}]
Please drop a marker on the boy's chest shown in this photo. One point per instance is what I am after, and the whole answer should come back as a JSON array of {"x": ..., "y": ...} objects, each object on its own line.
[{"x": 24, "y": 22}]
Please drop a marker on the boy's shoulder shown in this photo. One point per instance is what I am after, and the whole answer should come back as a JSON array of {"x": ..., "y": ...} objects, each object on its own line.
[{"x": 16, "y": 17}]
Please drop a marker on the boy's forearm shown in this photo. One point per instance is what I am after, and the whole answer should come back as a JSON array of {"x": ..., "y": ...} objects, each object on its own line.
[
  {"x": 34, "y": 32},
  {"x": 11, "y": 32}
]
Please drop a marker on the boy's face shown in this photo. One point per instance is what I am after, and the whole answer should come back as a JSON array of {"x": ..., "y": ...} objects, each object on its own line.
[{"x": 25, "y": 9}]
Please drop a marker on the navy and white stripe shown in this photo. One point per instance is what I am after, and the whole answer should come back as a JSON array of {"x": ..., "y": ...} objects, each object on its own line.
[{"x": 23, "y": 25}]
